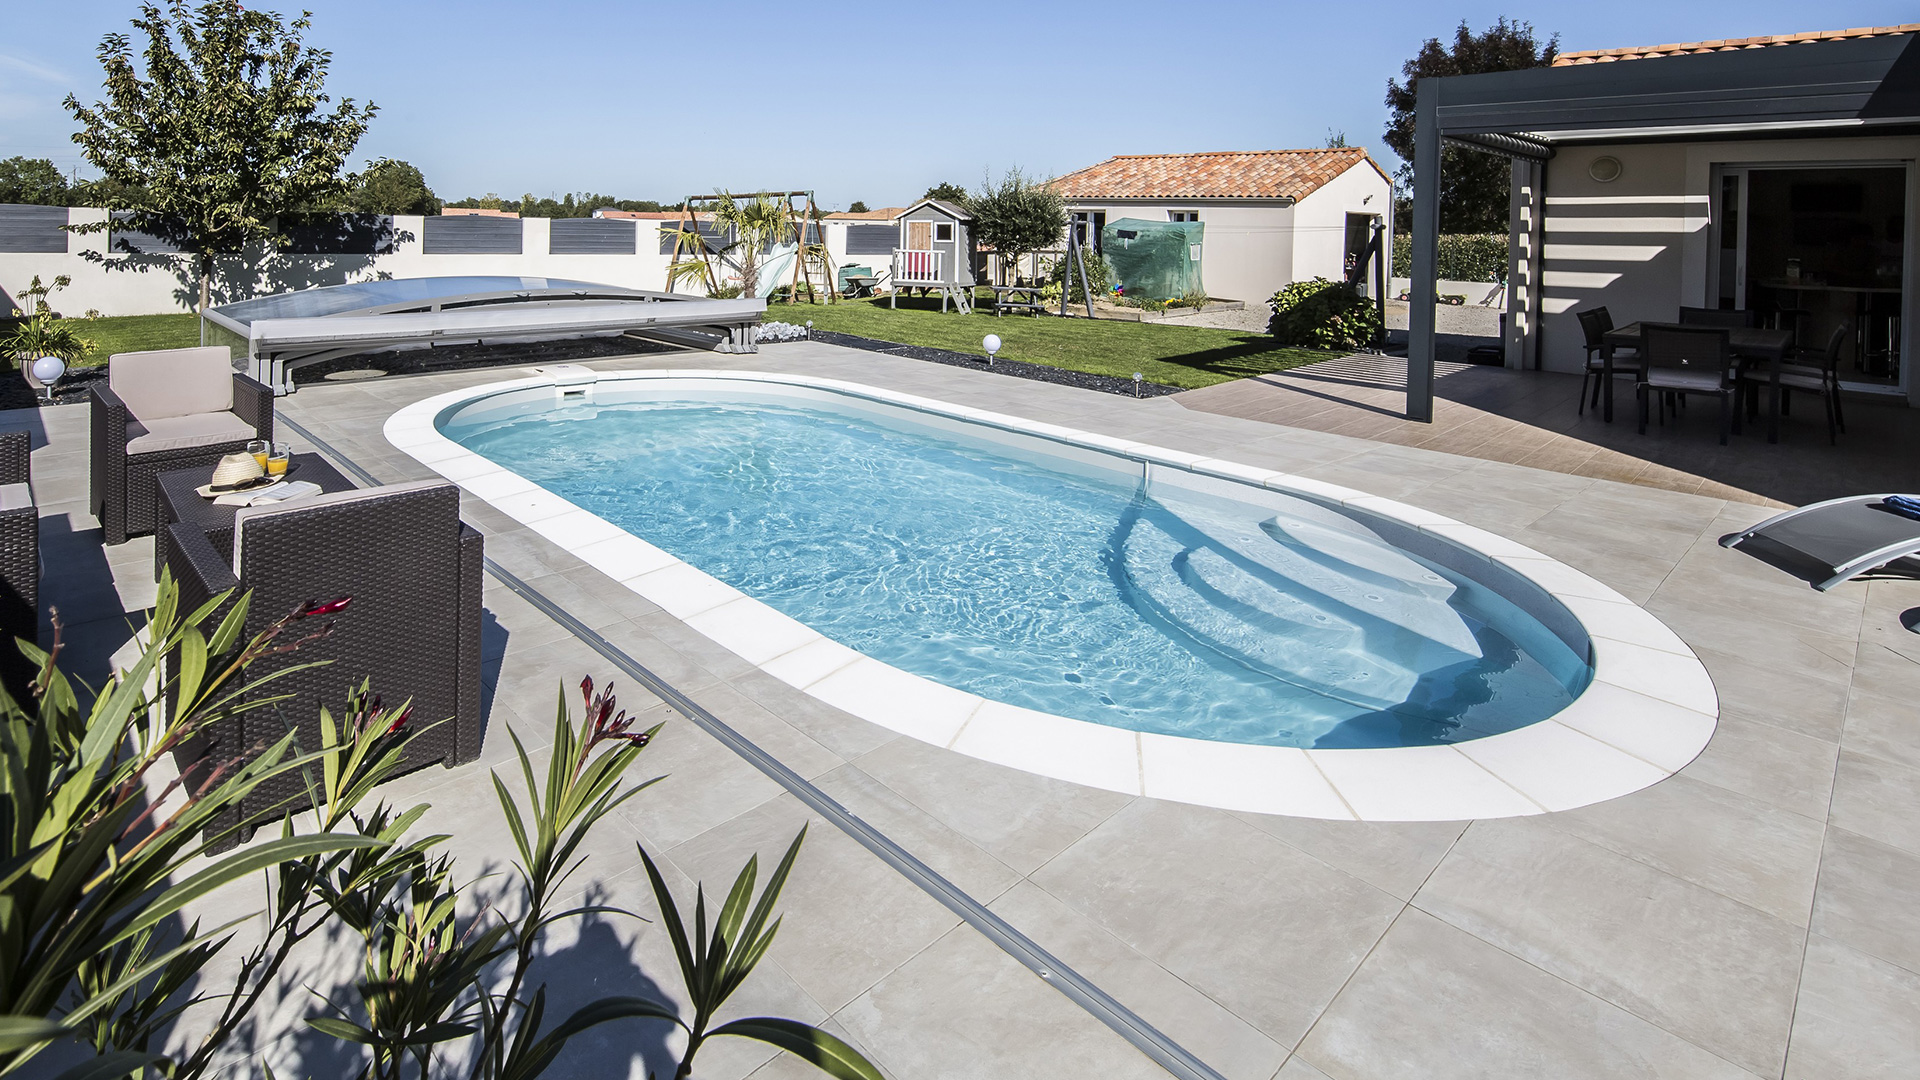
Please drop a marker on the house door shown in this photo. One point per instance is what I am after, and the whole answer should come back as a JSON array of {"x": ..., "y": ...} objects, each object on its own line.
[
  {"x": 1816, "y": 247},
  {"x": 919, "y": 236}
]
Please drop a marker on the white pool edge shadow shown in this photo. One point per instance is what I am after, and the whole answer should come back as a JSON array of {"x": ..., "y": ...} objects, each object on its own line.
[{"x": 1650, "y": 708}]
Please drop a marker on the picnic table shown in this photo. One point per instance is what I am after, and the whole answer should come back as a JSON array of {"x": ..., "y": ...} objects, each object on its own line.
[{"x": 1017, "y": 298}]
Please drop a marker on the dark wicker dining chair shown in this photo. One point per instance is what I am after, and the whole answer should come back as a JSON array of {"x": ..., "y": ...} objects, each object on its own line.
[
  {"x": 1684, "y": 360},
  {"x": 412, "y": 630},
  {"x": 1815, "y": 372},
  {"x": 163, "y": 410},
  {"x": 1594, "y": 325}
]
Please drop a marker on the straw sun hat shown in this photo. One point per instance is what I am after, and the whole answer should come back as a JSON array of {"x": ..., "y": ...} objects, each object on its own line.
[{"x": 234, "y": 468}]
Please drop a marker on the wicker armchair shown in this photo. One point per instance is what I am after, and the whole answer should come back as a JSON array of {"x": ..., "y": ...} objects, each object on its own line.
[
  {"x": 19, "y": 559},
  {"x": 413, "y": 570},
  {"x": 163, "y": 410}
]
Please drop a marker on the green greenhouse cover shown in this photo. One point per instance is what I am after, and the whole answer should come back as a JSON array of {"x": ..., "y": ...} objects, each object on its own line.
[{"x": 1155, "y": 259}]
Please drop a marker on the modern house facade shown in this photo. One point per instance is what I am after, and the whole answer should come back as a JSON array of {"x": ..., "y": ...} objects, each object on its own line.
[
  {"x": 1271, "y": 217},
  {"x": 1770, "y": 174}
]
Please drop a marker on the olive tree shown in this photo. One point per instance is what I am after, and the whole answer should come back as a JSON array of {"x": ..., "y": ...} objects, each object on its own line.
[
  {"x": 218, "y": 126},
  {"x": 1017, "y": 216}
]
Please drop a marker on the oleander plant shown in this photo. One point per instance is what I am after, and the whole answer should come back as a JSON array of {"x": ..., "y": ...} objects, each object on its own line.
[{"x": 105, "y": 971}]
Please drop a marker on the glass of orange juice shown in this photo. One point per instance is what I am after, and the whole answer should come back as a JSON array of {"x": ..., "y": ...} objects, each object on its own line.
[
  {"x": 277, "y": 461},
  {"x": 260, "y": 448}
]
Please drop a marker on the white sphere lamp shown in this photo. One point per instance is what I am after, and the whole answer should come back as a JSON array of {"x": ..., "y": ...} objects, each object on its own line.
[
  {"x": 47, "y": 371},
  {"x": 992, "y": 344}
]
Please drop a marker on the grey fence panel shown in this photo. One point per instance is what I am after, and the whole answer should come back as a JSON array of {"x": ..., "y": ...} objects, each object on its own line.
[
  {"x": 32, "y": 228},
  {"x": 872, "y": 239},
  {"x": 337, "y": 234},
  {"x": 592, "y": 236},
  {"x": 464, "y": 235},
  {"x": 708, "y": 231},
  {"x": 127, "y": 240}
]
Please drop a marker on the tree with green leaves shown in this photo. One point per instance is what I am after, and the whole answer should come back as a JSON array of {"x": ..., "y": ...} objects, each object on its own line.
[
  {"x": 856, "y": 207},
  {"x": 1473, "y": 184},
  {"x": 32, "y": 181},
  {"x": 1017, "y": 215},
  {"x": 946, "y": 192},
  {"x": 392, "y": 187},
  {"x": 217, "y": 127}
]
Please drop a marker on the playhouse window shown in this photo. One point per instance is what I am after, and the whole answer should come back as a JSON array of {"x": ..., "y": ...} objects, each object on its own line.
[
  {"x": 943, "y": 231},
  {"x": 1183, "y": 215}
]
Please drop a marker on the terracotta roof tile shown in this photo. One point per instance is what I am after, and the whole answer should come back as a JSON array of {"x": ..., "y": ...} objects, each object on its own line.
[
  {"x": 885, "y": 213},
  {"x": 1226, "y": 174},
  {"x": 1608, "y": 56}
]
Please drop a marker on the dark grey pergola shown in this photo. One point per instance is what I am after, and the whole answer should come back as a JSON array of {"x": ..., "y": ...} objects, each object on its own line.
[{"x": 1856, "y": 86}]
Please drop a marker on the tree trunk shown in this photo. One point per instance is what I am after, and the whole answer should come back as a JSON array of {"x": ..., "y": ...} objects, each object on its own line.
[{"x": 206, "y": 282}]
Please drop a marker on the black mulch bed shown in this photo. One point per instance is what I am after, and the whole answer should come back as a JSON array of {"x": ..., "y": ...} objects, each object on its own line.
[
  {"x": 72, "y": 389},
  {"x": 1105, "y": 383}
]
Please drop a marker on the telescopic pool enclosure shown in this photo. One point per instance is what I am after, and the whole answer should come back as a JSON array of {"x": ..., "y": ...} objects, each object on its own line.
[{"x": 279, "y": 334}]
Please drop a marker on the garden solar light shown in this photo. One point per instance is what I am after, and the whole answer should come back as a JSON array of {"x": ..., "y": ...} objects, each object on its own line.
[
  {"x": 1136, "y": 384},
  {"x": 48, "y": 370},
  {"x": 992, "y": 344}
]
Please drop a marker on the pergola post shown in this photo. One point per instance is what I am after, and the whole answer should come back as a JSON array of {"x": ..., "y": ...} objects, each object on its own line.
[
  {"x": 1421, "y": 292},
  {"x": 1528, "y": 211}
]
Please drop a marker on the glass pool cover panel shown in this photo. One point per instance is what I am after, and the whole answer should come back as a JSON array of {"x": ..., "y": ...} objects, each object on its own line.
[{"x": 359, "y": 296}]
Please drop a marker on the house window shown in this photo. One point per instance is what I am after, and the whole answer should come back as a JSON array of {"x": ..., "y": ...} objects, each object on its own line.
[
  {"x": 943, "y": 231},
  {"x": 1183, "y": 215}
]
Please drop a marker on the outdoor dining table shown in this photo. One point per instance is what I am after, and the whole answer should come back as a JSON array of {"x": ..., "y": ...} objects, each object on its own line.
[{"x": 1757, "y": 344}]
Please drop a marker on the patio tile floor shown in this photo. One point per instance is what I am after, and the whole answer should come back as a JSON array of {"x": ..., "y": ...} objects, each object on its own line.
[
  {"x": 1664, "y": 934},
  {"x": 1532, "y": 418}
]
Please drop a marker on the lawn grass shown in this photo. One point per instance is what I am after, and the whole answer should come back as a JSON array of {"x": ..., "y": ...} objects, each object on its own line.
[
  {"x": 1183, "y": 356},
  {"x": 132, "y": 333}
]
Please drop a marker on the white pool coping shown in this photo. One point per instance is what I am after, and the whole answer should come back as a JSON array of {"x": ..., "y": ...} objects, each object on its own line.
[{"x": 1649, "y": 710}]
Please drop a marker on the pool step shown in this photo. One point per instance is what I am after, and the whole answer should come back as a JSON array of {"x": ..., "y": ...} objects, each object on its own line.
[{"x": 1324, "y": 608}]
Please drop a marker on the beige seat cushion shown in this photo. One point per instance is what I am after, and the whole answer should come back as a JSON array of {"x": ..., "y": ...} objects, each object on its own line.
[
  {"x": 15, "y": 496},
  {"x": 173, "y": 382},
  {"x": 247, "y": 514},
  {"x": 181, "y": 432}
]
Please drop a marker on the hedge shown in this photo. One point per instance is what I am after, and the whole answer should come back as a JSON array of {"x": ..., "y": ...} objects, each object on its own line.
[{"x": 1462, "y": 258}]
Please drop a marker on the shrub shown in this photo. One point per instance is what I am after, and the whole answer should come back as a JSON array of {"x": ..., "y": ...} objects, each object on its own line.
[
  {"x": 1191, "y": 299},
  {"x": 40, "y": 331},
  {"x": 1098, "y": 271},
  {"x": 1323, "y": 314},
  {"x": 1465, "y": 257},
  {"x": 1144, "y": 303},
  {"x": 724, "y": 292}
]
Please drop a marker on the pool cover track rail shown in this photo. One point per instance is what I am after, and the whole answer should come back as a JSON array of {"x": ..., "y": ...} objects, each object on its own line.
[{"x": 1146, "y": 1038}]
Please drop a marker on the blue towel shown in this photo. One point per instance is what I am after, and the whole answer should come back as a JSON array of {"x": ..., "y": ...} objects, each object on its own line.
[{"x": 1904, "y": 505}]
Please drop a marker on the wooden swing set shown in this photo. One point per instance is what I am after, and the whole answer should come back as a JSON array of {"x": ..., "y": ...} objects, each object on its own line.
[{"x": 800, "y": 212}]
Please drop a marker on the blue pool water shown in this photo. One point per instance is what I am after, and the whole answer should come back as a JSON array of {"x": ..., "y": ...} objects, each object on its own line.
[{"x": 1062, "y": 588}]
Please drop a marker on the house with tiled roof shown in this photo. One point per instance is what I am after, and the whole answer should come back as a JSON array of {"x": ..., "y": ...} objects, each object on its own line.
[
  {"x": 1265, "y": 218},
  {"x": 1763, "y": 181}
]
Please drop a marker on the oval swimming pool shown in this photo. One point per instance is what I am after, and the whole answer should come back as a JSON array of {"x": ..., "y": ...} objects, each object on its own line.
[
  {"x": 1087, "y": 608},
  {"x": 1067, "y": 581}
]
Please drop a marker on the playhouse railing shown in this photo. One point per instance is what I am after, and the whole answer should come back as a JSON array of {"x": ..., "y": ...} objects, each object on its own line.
[{"x": 917, "y": 267}]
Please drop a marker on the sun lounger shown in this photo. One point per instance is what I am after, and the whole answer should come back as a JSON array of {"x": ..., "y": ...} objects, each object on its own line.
[{"x": 1844, "y": 537}]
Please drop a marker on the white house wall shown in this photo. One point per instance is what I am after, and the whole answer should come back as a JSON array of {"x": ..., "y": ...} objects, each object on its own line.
[
  {"x": 1320, "y": 221},
  {"x": 1639, "y": 245},
  {"x": 150, "y": 285}
]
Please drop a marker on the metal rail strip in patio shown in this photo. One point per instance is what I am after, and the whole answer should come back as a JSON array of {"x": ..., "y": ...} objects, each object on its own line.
[{"x": 1146, "y": 1038}]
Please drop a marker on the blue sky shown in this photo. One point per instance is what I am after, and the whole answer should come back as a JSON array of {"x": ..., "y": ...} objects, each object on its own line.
[{"x": 644, "y": 100}]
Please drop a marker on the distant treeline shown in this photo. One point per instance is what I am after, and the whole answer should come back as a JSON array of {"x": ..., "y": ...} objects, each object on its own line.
[{"x": 567, "y": 206}]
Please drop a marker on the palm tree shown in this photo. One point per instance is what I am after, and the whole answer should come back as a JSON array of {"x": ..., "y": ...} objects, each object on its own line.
[{"x": 755, "y": 224}]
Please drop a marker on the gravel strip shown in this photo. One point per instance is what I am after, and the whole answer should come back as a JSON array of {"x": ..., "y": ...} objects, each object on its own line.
[{"x": 1109, "y": 384}]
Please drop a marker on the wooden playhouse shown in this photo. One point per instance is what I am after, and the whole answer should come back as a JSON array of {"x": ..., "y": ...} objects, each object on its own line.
[{"x": 935, "y": 253}]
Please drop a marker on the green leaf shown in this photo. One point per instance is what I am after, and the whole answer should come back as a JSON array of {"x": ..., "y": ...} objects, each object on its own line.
[
  {"x": 19, "y": 1032},
  {"x": 236, "y": 866},
  {"x": 192, "y": 667},
  {"x": 114, "y": 1066},
  {"x": 534, "y": 1059},
  {"x": 670, "y": 915},
  {"x": 342, "y": 1029},
  {"x": 806, "y": 1042}
]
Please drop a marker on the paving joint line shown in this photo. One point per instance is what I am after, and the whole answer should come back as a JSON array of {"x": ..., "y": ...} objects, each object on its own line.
[{"x": 1146, "y": 1038}]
